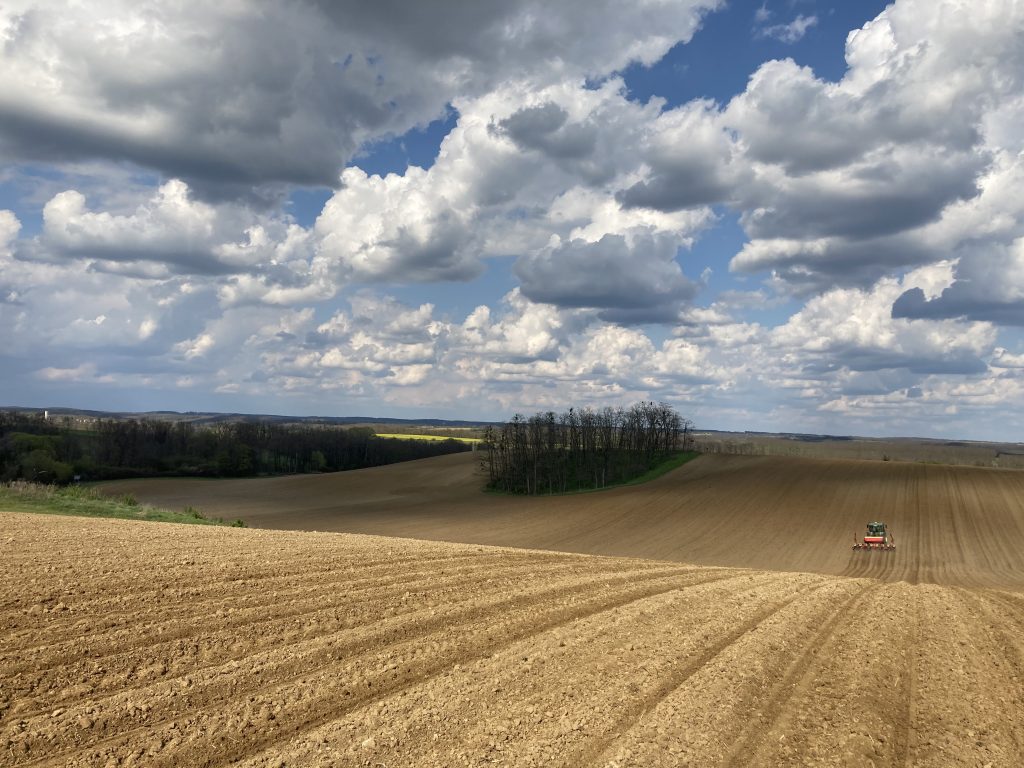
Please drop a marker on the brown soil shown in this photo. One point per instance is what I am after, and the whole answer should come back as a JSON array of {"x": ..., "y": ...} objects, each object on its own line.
[
  {"x": 954, "y": 525},
  {"x": 128, "y": 643}
]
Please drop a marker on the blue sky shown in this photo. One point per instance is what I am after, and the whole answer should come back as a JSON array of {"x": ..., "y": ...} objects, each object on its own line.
[
  {"x": 739, "y": 208},
  {"x": 732, "y": 44},
  {"x": 716, "y": 64}
]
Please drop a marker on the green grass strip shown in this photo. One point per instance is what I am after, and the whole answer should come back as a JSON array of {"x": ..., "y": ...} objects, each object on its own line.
[
  {"x": 672, "y": 462},
  {"x": 21, "y": 496}
]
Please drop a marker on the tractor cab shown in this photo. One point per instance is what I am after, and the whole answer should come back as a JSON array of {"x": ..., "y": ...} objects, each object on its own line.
[{"x": 877, "y": 537}]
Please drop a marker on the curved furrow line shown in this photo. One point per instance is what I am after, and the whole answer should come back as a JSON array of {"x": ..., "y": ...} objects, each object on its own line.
[
  {"x": 166, "y": 659},
  {"x": 886, "y": 566},
  {"x": 970, "y": 683},
  {"x": 154, "y": 628},
  {"x": 464, "y": 653},
  {"x": 266, "y": 599},
  {"x": 698, "y": 723},
  {"x": 58, "y": 628},
  {"x": 413, "y": 641},
  {"x": 954, "y": 533},
  {"x": 34, "y": 563},
  {"x": 903, "y": 743},
  {"x": 914, "y": 556},
  {"x": 855, "y": 565},
  {"x": 994, "y": 612},
  {"x": 793, "y": 683},
  {"x": 597, "y": 748},
  {"x": 848, "y": 705},
  {"x": 231, "y": 590},
  {"x": 213, "y": 588},
  {"x": 225, "y": 641},
  {"x": 1011, "y": 602},
  {"x": 872, "y": 564},
  {"x": 339, "y": 552},
  {"x": 549, "y": 691},
  {"x": 267, "y": 673}
]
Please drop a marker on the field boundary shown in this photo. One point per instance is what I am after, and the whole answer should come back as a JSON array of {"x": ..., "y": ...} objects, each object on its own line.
[
  {"x": 431, "y": 438},
  {"x": 83, "y": 501}
]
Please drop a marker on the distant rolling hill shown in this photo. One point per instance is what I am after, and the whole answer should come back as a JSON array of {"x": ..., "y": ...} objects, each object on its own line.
[{"x": 953, "y": 525}]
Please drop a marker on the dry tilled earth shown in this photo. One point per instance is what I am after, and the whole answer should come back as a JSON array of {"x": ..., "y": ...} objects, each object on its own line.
[
  {"x": 129, "y": 643},
  {"x": 954, "y": 525}
]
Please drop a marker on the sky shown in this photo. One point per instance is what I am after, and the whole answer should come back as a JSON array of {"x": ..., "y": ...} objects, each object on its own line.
[{"x": 789, "y": 215}]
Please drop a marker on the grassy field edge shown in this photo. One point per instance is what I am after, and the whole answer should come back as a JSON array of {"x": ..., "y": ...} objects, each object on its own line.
[
  {"x": 672, "y": 462},
  {"x": 21, "y": 496}
]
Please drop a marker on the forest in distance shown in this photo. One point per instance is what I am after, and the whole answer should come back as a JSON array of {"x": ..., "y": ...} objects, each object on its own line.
[
  {"x": 582, "y": 448},
  {"x": 58, "y": 450}
]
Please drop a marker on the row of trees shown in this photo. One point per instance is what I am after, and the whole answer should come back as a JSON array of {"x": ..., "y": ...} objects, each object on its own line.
[
  {"x": 582, "y": 448},
  {"x": 56, "y": 450}
]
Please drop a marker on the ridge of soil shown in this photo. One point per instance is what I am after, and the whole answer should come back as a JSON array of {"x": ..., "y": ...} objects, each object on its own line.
[
  {"x": 954, "y": 525},
  {"x": 127, "y": 643}
]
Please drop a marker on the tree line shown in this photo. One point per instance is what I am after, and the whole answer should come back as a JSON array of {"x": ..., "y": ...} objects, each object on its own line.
[
  {"x": 582, "y": 448},
  {"x": 57, "y": 450}
]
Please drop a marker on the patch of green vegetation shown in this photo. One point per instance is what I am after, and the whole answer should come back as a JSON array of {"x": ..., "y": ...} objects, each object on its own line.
[
  {"x": 22, "y": 496},
  {"x": 674, "y": 461},
  {"x": 403, "y": 436}
]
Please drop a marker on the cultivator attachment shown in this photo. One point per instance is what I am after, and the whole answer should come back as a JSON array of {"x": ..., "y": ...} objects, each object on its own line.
[{"x": 877, "y": 537}]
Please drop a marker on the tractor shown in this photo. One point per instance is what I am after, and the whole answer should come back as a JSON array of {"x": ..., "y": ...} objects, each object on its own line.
[{"x": 877, "y": 537}]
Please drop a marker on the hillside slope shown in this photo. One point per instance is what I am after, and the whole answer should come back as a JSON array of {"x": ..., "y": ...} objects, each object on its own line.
[
  {"x": 953, "y": 525},
  {"x": 128, "y": 643}
]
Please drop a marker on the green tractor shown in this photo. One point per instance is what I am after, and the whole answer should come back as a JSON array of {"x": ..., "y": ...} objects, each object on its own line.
[{"x": 877, "y": 537}]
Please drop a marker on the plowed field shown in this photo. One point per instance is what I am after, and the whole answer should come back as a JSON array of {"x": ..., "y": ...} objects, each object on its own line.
[
  {"x": 130, "y": 643},
  {"x": 954, "y": 525}
]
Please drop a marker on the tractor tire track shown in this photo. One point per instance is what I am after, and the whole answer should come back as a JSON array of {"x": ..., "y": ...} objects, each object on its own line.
[
  {"x": 405, "y": 652},
  {"x": 212, "y": 648},
  {"x": 143, "y": 635},
  {"x": 57, "y": 631},
  {"x": 276, "y": 668},
  {"x": 904, "y": 745},
  {"x": 631, "y": 716},
  {"x": 794, "y": 682}
]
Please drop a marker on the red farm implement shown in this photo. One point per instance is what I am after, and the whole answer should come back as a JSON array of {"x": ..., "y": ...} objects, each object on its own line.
[{"x": 877, "y": 537}]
